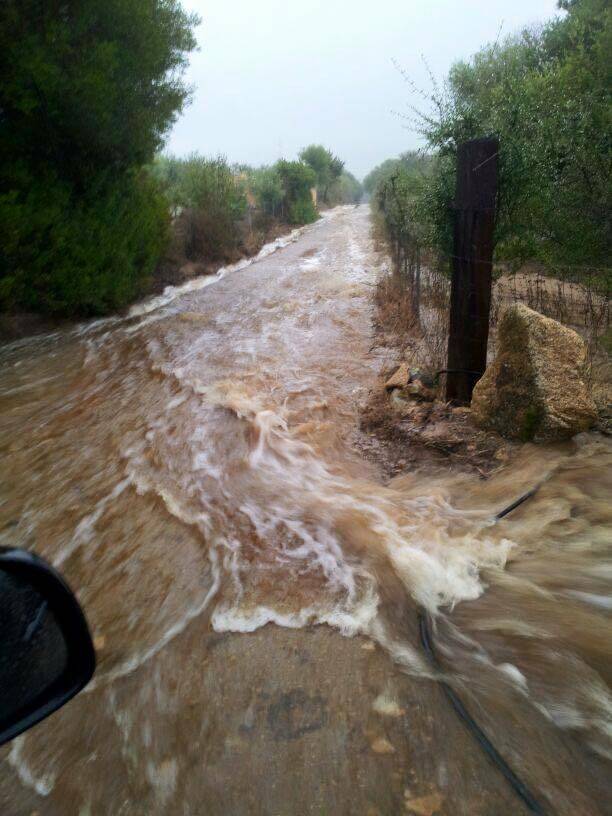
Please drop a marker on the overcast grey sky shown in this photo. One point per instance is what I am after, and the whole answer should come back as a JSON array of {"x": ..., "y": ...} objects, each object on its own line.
[{"x": 275, "y": 75}]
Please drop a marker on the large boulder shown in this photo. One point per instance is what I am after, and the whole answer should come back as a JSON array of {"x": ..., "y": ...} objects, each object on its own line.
[{"x": 534, "y": 388}]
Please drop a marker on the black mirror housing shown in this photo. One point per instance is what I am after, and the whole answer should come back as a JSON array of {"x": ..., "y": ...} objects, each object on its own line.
[{"x": 46, "y": 652}]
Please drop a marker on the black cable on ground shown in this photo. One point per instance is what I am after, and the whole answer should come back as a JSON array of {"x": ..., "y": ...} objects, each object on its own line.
[
  {"x": 481, "y": 738},
  {"x": 518, "y": 502},
  {"x": 520, "y": 789}
]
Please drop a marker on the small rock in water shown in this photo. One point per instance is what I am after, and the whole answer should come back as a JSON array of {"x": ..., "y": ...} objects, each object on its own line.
[
  {"x": 416, "y": 375},
  {"x": 418, "y": 390},
  {"x": 382, "y": 746},
  {"x": 400, "y": 379},
  {"x": 425, "y": 805},
  {"x": 398, "y": 403},
  {"x": 387, "y": 706}
]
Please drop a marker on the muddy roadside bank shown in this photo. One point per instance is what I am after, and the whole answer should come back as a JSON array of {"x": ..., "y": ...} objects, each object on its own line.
[
  {"x": 412, "y": 428},
  {"x": 173, "y": 270}
]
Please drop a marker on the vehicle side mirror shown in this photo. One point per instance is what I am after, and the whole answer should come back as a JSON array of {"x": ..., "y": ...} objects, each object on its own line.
[{"x": 46, "y": 652}]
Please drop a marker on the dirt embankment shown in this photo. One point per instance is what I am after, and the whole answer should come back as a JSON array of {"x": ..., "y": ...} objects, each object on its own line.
[
  {"x": 181, "y": 264},
  {"x": 174, "y": 269},
  {"x": 427, "y": 436},
  {"x": 407, "y": 428},
  {"x": 408, "y": 425}
]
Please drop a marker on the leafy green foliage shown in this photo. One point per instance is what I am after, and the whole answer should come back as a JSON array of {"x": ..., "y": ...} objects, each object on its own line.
[
  {"x": 399, "y": 198},
  {"x": 201, "y": 183},
  {"x": 210, "y": 197},
  {"x": 411, "y": 161},
  {"x": 90, "y": 255},
  {"x": 297, "y": 180},
  {"x": 267, "y": 186},
  {"x": 326, "y": 167},
  {"x": 345, "y": 190},
  {"x": 89, "y": 85},
  {"x": 546, "y": 95},
  {"x": 88, "y": 92},
  {"x": 403, "y": 196}
]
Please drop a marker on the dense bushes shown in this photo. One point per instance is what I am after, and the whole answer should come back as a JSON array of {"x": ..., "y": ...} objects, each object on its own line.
[
  {"x": 411, "y": 161},
  {"x": 87, "y": 255},
  {"x": 222, "y": 210},
  {"x": 267, "y": 188},
  {"x": 218, "y": 207},
  {"x": 297, "y": 180},
  {"x": 212, "y": 201},
  {"x": 88, "y": 92},
  {"x": 546, "y": 94}
]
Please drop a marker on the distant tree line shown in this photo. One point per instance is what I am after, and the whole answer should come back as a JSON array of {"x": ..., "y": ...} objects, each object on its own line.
[
  {"x": 335, "y": 185},
  {"x": 222, "y": 209}
]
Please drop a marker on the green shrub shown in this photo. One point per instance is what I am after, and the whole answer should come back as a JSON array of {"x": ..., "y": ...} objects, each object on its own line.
[
  {"x": 86, "y": 255},
  {"x": 267, "y": 187},
  {"x": 326, "y": 167},
  {"x": 298, "y": 180},
  {"x": 302, "y": 212},
  {"x": 88, "y": 92},
  {"x": 546, "y": 94},
  {"x": 211, "y": 197},
  {"x": 411, "y": 161}
]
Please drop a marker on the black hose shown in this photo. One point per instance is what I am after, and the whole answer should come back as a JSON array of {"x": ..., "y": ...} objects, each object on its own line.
[
  {"x": 518, "y": 502},
  {"x": 481, "y": 738},
  {"x": 520, "y": 789}
]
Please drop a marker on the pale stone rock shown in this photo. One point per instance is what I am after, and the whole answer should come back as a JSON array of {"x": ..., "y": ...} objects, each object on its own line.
[
  {"x": 382, "y": 746},
  {"x": 425, "y": 805},
  {"x": 534, "y": 389},
  {"x": 400, "y": 379}
]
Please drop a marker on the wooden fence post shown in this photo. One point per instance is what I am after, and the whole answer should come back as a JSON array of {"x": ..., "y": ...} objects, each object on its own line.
[{"x": 472, "y": 266}]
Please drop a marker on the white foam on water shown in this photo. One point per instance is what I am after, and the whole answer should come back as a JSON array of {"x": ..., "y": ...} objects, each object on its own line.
[
  {"x": 170, "y": 293},
  {"x": 600, "y": 601},
  {"x": 311, "y": 263},
  {"x": 85, "y": 530},
  {"x": 437, "y": 566},
  {"x": 349, "y": 621},
  {"x": 136, "y": 661},
  {"x": 42, "y": 783}
]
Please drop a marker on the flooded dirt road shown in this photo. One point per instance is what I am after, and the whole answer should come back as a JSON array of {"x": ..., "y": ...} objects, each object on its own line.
[{"x": 191, "y": 470}]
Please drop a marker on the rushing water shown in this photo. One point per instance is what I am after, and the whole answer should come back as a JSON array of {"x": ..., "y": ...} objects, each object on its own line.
[{"x": 194, "y": 461}]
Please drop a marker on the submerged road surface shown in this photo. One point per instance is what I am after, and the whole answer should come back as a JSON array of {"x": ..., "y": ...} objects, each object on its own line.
[{"x": 190, "y": 469}]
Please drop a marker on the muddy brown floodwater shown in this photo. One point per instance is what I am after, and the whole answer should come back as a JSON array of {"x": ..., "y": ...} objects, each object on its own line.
[{"x": 252, "y": 585}]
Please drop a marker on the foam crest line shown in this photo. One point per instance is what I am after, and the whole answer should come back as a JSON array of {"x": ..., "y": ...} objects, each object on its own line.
[
  {"x": 170, "y": 293},
  {"x": 437, "y": 567}
]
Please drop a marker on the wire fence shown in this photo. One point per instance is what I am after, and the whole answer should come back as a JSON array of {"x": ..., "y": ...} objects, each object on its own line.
[{"x": 581, "y": 302}]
